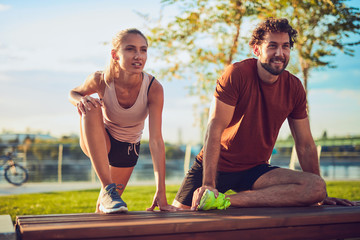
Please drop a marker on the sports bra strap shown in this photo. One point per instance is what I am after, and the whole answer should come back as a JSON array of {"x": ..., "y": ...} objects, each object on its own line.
[{"x": 152, "y": 80}]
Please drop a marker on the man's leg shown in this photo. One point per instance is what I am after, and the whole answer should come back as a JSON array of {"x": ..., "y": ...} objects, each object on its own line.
[
  {"x": 282, "y": 187},
  {"x": 191, "y": 182}
]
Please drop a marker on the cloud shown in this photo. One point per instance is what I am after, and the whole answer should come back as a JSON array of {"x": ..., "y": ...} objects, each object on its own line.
[
  {"x": 4, "y": 78},
  {"x": 4, "y": 7},
  {"x": 335, "y": 110},
  {"x": 341, "y": 96}
]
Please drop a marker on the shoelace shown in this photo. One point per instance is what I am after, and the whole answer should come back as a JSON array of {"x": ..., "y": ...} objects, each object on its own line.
[
  {"x": 113, "y": 193},
  {"x": 132, "y": 147}
]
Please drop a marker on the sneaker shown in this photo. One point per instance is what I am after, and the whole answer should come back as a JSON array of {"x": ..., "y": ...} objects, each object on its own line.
[
  {"x": 208, "y": 201},
  {"x": 110, "y": 200}
]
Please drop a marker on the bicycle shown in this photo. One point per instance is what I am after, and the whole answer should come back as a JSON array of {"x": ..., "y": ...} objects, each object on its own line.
[{"x": 13, "y": 172}]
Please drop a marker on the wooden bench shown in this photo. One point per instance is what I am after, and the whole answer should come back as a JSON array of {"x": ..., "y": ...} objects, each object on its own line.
[
  {"x": 6, "y": 228},
  {"x": 318, "y": 222}
]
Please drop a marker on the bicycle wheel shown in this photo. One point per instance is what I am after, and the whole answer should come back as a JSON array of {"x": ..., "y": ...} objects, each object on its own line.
[{"x": 16, "y": 174}]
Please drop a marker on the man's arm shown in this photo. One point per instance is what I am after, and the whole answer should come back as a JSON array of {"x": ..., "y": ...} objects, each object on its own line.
[
  {"x": 305, "y": 145},
  {"x": 219, "y": 118},
  {"x": 307, "y": 154}
]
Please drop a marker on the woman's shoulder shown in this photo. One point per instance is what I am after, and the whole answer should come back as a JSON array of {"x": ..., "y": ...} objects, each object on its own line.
[
  {"x": 98, "y": 76},
  {"x": 149, "y": 76},
  {"x": 155, "y": 86},
  {"x": 152, "y": 80},
  {"x": 97, "y": 80}
]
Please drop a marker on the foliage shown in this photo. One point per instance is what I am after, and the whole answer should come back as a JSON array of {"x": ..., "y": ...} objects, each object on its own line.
[
  {"x": 200, "y": 42},
  {"x": 173, "y": 152},
  {"x": 41, "y": 149},
  {"x": 353, "y": 141},
  {"x": 323, "y": 27},
  {"x": 206, "y": 36}
]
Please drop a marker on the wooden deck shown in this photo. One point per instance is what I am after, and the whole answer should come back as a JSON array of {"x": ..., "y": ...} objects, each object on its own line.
[{"x": 320, "y": 222}]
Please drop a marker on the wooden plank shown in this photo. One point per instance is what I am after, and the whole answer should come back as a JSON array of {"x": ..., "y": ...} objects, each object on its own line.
[
  {"x": 301, "y": 221},
  {"x": 335, "y": 231},
  {"x": 167, "y": 225},
  {"x": 7, "y": 231}
]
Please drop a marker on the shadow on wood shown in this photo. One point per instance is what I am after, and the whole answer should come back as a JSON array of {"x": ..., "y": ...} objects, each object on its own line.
[{"x": 318, "y": 222}]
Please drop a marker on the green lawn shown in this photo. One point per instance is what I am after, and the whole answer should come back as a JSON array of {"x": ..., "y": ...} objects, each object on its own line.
[{"x": 138, "y": 198}]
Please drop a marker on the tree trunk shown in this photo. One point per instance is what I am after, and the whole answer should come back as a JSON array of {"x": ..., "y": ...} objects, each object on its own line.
[
  {"x": 305, "y": 70},
  {"x": 235, "y": 44}
]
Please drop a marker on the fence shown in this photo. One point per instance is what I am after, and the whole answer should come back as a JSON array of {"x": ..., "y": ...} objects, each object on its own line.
[{"x": 65, "y": 162}]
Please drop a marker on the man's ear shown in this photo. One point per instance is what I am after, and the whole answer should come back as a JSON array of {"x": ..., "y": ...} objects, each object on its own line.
[{"x": 256, "y": 50}]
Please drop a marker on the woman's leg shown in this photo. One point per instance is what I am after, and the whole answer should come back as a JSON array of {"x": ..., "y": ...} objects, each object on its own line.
[
  {"x": 95, "y": 143},
  {"x": 121, "y": 176}
]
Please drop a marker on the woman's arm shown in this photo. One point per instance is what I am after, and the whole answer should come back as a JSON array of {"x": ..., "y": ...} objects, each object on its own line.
[
  {"x": 80, "y": 96},
  {"x": 157, "y": 147}
]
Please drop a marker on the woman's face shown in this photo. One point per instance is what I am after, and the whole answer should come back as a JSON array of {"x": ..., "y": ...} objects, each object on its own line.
[{"x": 132, "y": 53}]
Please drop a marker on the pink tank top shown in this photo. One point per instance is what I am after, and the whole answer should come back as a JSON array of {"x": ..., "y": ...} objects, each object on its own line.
[{"x": 126, "y": 124}]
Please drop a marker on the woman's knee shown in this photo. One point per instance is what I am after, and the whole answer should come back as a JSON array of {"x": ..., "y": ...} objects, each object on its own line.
[
  {"x": 92, "y": 112},
  {"x": 92, "y": 124}
]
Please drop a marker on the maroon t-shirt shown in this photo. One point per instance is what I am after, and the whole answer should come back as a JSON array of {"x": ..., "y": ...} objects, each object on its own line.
[{"x": 260, "y": 110}]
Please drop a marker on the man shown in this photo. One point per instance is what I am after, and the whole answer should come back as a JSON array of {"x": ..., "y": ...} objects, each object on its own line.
[{"x": 252, "y": 100}]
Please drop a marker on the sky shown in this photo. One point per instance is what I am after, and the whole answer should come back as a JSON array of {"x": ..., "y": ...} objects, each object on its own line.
[{"x": 49, "y": 47}]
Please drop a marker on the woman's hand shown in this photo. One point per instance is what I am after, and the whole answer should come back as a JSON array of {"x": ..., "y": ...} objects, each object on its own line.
[
  {"x": 162, "y": 205},
  {"x": 86, "y": 103}
]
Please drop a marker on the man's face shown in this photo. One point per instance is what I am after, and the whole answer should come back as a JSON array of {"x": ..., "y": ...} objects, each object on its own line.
[{"x": 274, "y": 52}]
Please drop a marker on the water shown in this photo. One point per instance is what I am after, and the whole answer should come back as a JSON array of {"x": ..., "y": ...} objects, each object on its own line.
[
  {"x": 80, "y": 170},
  {"x": 330, "y": 168}
]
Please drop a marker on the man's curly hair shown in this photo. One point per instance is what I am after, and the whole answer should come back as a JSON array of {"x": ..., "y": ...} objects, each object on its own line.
[{"x": 272, "y": 25}]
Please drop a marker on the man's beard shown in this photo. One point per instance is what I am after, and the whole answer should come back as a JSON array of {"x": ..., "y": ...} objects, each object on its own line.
[{"x": 272, "y": 70}]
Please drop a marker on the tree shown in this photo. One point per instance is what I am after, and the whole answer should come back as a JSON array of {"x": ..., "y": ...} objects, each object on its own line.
[
  {"x": 208, "y": 35},
  {"x": 323, "y": 27},
  {"x": 201, "y": 42}
]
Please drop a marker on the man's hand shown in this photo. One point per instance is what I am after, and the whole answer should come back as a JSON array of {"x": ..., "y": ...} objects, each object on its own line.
[
  {"x": 198, "y": 194},
  {"x": 337, "y": 201}
]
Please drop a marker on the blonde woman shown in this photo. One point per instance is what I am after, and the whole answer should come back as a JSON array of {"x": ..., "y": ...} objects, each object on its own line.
[{"x": 111, "y": 126}]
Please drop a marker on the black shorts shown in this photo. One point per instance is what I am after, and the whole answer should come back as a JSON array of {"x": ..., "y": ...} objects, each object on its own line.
[
  {"x": 236, "y": 181},
  {"x": 123, "y": 154}
]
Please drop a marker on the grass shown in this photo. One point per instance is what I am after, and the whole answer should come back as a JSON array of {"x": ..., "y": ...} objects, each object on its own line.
[
  {"x": 348, "y": 189},
  {"x": 138, "y": 198}
]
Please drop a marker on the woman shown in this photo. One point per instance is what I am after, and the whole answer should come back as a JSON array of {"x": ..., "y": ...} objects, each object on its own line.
[{"x": 111, "y": 127}]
